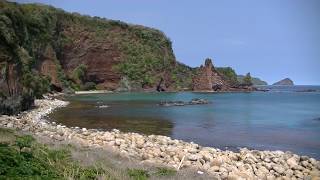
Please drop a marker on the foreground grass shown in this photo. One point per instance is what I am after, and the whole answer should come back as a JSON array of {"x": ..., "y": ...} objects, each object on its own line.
[{"x": 22, "y": 157}]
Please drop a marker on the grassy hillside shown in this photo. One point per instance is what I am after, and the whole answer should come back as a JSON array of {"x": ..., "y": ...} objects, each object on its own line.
[
  {"x": 230, "y": 75},
  {"x": 255, "y": 80}
]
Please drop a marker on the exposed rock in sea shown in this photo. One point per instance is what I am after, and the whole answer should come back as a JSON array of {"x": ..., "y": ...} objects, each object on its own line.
[
  {"x": 195, "y": 101},
  {"x": 284, "y": 82}
]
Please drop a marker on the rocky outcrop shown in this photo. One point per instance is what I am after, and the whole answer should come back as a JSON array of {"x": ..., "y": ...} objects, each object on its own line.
[
  {"x": 98, "y": 56},
  {"x": 208, "y": 79},
  {"x": 284, "y": 82},
  {"x": 48, "y": 67}
]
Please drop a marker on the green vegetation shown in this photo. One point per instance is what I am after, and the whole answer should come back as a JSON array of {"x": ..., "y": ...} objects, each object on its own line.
[
  {"x": 29, "y": 32},
  {"x": 138, "y": 174},
  {"x": 165, "y": 172},
  {"x": 228, "y": 73},
  {"x": 255, "y": 80},
  {"x": 146, "y": 56},
  {"x": 23, "y": 38},
  {"x": 247, "y": 80},
  {"x": 182, "y": 76},
  {"x": 79, "y": 73},
  {"x": 89, "y": 86},
  {"x": 24, "y": 142},
  {"x": 23, "y": 158}
]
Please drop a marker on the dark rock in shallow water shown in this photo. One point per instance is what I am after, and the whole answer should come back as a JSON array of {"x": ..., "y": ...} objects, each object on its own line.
[
  {"x": 263, "y": 90},
  {"x": 317, "y": 119},
  {"x": 195, "y": 101},
  {"x": 307, "y": 90},
  {"x": 198, "y": 101}
]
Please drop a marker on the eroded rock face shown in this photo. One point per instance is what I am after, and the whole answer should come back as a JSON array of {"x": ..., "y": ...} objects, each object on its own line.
[
  {"x": 208, "y": 79},
  {"x": 99, "y": 56},
  {"x": 48, "y": 66}
]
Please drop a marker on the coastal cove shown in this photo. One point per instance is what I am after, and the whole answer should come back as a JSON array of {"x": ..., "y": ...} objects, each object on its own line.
[
  {"x": 165, "y": 151},
  {"x": 282, "y": 119}
]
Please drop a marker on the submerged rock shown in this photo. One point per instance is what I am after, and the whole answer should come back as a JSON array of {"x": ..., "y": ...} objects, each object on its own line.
[{"x": 195, "y": 101}]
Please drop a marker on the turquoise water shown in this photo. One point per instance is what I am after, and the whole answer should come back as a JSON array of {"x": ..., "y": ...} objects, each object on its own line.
[{"x": 281, "y": 119}]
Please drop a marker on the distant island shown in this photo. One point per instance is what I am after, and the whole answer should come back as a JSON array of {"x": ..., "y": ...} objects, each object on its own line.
[{"x": 284, "y": 82}]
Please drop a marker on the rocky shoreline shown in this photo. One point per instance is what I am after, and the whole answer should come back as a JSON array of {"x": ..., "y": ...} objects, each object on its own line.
[{"x": 156, "y": 149}]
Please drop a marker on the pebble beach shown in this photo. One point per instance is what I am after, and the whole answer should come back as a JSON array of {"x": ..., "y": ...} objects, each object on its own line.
[{"x": 162, "y": 150}]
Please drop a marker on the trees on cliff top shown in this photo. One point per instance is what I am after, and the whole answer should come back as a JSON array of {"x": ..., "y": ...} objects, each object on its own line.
[{"x": 247, "y": 80}]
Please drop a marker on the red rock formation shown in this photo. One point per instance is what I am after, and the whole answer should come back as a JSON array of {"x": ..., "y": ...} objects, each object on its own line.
[
  {"x": 48, "y": 66},
  {"x": 100, "y": 56},
  {"x": 208, "y": 79}
]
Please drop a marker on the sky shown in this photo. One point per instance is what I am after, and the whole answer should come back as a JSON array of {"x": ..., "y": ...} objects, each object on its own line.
[{"x": 272, "y": 39}]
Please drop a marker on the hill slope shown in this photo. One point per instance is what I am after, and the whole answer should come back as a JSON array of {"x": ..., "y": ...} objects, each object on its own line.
[
  {"x": 255, "y": 81},
  {"x": 45, "y": 47}
]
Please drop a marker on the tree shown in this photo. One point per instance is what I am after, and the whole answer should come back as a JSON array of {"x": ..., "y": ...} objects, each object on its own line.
[
  {"x": 247, "y": 80},
  {"x": 228, "y": 73},
  {"x": 79, "y": 73}
]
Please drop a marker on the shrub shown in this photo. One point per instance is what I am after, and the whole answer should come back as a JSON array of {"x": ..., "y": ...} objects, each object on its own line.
[
  {"x": 13, "y": 105},
  {"x": 165, "y": 172},
  {"x": 41, "y": 162},
  {"x": 79, "y": 73},
  {"x": 89, "y": 86},
  {"x": 247, "y": 80},
  {"x": 228, "y": 73},
  {"x": 24, "y": 141}
]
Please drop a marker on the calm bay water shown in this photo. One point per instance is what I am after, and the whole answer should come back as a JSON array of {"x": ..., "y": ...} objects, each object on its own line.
[{"x": 281, "y": 119}]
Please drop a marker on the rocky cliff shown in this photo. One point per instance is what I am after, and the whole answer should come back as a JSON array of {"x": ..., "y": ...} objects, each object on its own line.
[
  {"x": 284, "y": 82},
  {"x": 45, "y": 47}
]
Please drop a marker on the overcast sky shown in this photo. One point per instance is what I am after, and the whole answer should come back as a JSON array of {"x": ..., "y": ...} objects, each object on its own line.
[{"x": 272, "y": 39}]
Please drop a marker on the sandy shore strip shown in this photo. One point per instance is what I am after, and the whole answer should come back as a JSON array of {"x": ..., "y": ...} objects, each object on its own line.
[
  {"x": 162, "y": 150},
  {"x": 93, "y": 92}
]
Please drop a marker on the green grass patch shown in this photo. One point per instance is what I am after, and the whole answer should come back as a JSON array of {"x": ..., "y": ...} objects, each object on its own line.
[
  {"x": 6, "y": 136},
  {"x": 138, "y": 174},
  {"x": 24, "y": 158},
  {"x": 165, "y": 172}
]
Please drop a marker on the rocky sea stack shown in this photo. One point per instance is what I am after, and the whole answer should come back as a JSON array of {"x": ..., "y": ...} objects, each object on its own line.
[{"x": 284, "y": 82}]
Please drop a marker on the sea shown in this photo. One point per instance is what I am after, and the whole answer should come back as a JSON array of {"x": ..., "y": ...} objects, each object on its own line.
[{"x": 285, "y": 118}]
